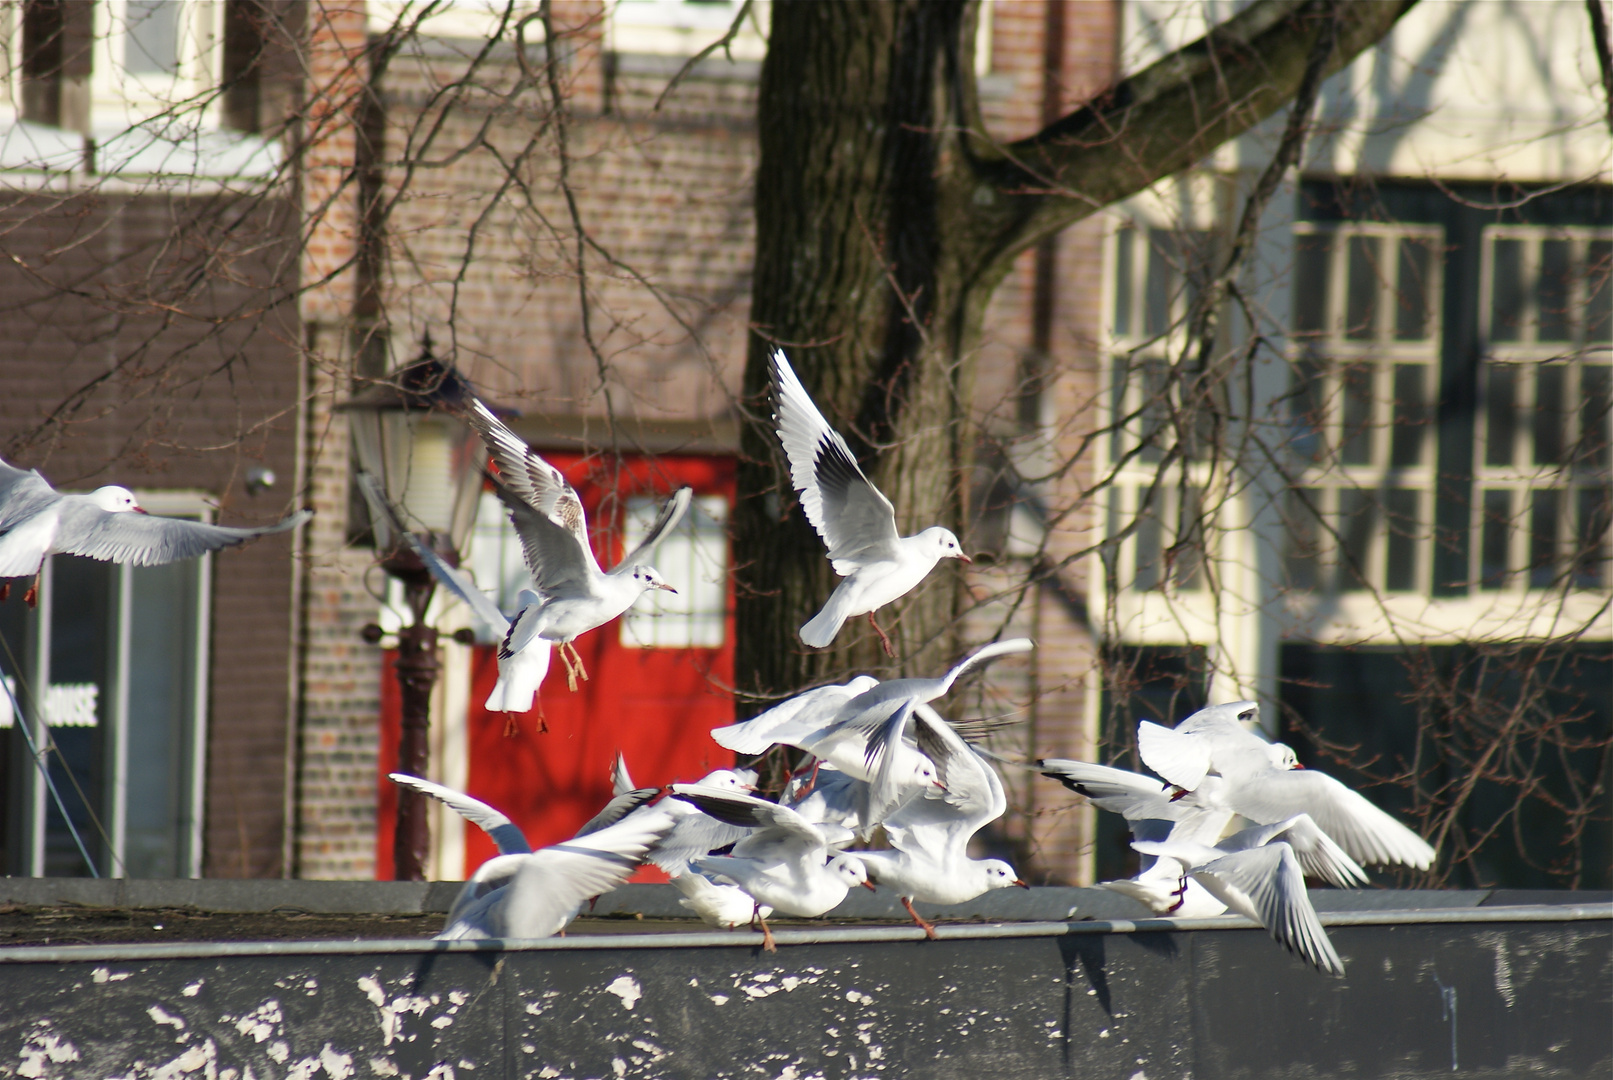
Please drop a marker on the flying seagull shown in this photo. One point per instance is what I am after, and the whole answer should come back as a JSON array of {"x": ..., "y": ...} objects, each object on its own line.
[
  {"x": 855, "y": 520},
  {"x": 576, "y": 595},
  {"x": 37, "y": 521}
]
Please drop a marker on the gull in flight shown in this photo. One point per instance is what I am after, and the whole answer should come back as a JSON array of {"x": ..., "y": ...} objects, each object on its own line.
[
  {"x": 855, "y": 520},
  {"x": 1225, "y": 765},
  {"x": 548, "y": 517},
  {"x": 930, "y": 835},
  {"x": 785, "y": 863},
  {"x": 37, "y": 521},
  {"x": 521, "y": 893},
  {"x": 1260, "y": 874},
  {"x": 519, "y": 674}
]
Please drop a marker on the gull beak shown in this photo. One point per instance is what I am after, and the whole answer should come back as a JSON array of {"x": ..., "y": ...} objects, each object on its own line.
[
  {"x": 965, "y": 559},
  {"x": 668, "y": 588},
  {"x": 139, "y": 509},
  {"x": 940, "y": 785},
  {"x": 869, "y": 885},
  {"x": 1022, "y": 883},
  {"x": 1297, "y": 765}
]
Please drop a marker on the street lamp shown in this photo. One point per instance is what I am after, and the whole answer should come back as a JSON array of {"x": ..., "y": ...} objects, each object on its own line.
[{"x": 427, "y": 464}]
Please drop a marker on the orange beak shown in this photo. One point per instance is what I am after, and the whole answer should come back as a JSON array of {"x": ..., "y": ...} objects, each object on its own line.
[
  {"x": 668, "y": 588},
  {"x": 869, "y": 885},
  {"x": 1022, "y": 884},
  {"x": 139, "y": 509},
  {"x": 965, "y": 559}
]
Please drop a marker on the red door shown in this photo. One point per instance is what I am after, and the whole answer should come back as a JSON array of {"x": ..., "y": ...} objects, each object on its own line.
[{"x": 656, "y": 705}]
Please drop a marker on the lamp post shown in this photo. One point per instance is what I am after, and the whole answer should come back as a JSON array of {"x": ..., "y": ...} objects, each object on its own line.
[{"x": 426, "y": 462}]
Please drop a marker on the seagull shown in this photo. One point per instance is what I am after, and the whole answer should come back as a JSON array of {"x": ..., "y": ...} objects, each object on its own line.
[
  {"x": 805, "y": 713},
  {"x": 548, "y": 516},
  {"x": 785, "y": 864},
  {"x": 723, "y": 906},
  {"x": 855, "y": 520},
  {"x": 547, "y": 883},
  {"x": 930, "y": 835},
  {"x": 1155, "y": 811},
  {"x": 37, "y": 521},
  {"x": 519, "y": 674},
  {"x": 1239, "y": 771},
  {"x": 1260, "y": 874}
]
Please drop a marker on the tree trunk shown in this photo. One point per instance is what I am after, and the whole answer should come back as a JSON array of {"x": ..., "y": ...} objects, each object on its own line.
[{"x": 885, "y": 219}]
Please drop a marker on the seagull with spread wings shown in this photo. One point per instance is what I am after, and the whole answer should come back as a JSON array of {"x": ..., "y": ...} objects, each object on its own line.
[
  {"x": 37, "y": 521},
  {"x": 854, "y": 518},
  {"x": 576, "y": 595}
]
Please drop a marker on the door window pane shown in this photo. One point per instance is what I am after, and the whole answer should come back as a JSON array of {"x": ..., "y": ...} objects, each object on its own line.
[
  {"x": 1550, "y": 419},
  {"x": 1304, "y": 537},
  {"x": 151, "y": 44},
  {"x": 1311, "y": 254},
  {"x": 1148, "y": 544},
  {"x": 1400, "y": 558},
  {"x": 1410, "y": 416},
  {"x": 1500, "y": 411},
  {"x": 1595, "y": 511},
  {"x": 1356, "y": 389},
  {"x": 693, "y": 559},
  {"x": 1307, "y": 408},
  {"x": 1412, "y": 289},
  {"x": 75, "y": 709},
  {"x": 1495, "y": 530},
  {"x": 1361, "y": 305},
  {"x": 1598, "y": 291},
  {"x": 1124, "y": 239},
  {"x": 1552, "y": 292},
  {"x": 1506, "y": 291},
  {"x": 1596, "y": 398},
  {"x": 1544, "y": 509},
  {"x": 1162, "y": 282},
  {"x": 1358, "y": 512},
  {"x": 1190, "y": 540}
]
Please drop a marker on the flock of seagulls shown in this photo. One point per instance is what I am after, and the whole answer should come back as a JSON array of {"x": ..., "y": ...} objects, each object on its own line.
[
  {"x": 890, "y": 792},
  {"x": 1230, "y": 821}
]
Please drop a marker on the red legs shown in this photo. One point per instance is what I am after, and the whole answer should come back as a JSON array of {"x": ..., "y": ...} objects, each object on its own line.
[
  {"x": 883, "y": 640},
  {"x": 5, "y": 591},
  {"x": 812, "y": 780},
  {"x": 31, "y": 597},
  {"x": 568, "y": 651},
  {"x": 512, "y": 727},
  {"x": 768, "y": 944},
  {"x": 1180, "y": 894},
  {"x": 929, "y": 927}
]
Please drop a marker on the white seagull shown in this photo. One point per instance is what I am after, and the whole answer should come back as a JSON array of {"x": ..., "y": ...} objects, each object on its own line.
[
  {"x": 855, "y": 520},
  {"x": 1239, "y": 771},
  {"x": 519, "y": 674},
  {"x": 548, "y": 517},
  {"x": 786, "y": 863},
  {"x": 1260, "y": 874},
  {"x": 37, "y": 521},
  {"x": 930, "y": 835},
  {"x": 521, "y": 893}
]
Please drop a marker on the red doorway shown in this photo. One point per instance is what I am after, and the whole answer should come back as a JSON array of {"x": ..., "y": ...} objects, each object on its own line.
[{"x": 656, "y": 704}]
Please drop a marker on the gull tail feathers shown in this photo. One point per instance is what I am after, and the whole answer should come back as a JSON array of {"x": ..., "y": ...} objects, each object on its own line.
[
  {"x": 819, "y": 631},
  {"x": 519, "y": 677}
]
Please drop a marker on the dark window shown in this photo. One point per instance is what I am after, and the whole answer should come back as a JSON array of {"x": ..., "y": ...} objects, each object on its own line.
[
  {"x": 1598, "y": 293},
  {"x": 1356, "y": 387},
  {"x": 1311, "y": 254},
  {"x": 1304, "y": 537},
  {"x": 1307, "y": 408},
  {"x": 1500, "y": 414},
  {"x": 1148, "y": 543},
  {"x": 1550, "y": 418},
  {"x": 1596, "y": 398},
  {"x": 1495, "y": 531},
  {"x": 1400, "y": 514},
  {"x": 1190, "y": 540},
  {"x": 1365, "y": 279},
  {"x": 1552, "y": 291},
  {"x": 1544, "y": 510},
  {"x": 1124, "y": 240},
  {"x": 1590, "y": 554},
  {"x": 1410, "y": 417},
  {"x": 1411, "y": 289},
  {"x": 1506, "y": 291},
  {"x": 1358, "y": 512}
]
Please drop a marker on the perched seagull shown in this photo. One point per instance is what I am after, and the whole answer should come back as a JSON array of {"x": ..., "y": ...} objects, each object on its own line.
[
  {"x": 1260, "y": 874},
  {"x": 785, "y": 864},
  {"x": 37, "y": 521},
  {"x": 855, "y": 520},
  {"x": 548, "y": 516},
  {"x": 930, "y": 835},
  {"x": 1241, "y": 772},
  {"x": 824, "y": 795},
  {"x": 519, "y": 674}
]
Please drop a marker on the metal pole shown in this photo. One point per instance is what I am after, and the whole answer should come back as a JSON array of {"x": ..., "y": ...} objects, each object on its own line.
[{"x": 417, "y": 669}]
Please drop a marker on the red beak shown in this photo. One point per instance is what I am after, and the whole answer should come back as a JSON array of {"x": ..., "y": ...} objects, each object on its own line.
[
  {"x": 668, "y": 588},
  {"x": 965, "y": 559},
  {"x": 139, "y": 509},
  {"x": 869, "y": 885},
  {"x": 1022, "y": 884}
]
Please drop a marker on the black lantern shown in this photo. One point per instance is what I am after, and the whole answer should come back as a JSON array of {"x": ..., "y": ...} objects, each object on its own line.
[{"x": 427, "y": 464}]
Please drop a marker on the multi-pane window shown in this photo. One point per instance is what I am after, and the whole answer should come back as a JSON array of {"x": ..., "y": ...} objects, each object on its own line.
[
  {"x": 693, "y": 559},
  {"x": 1365, "y": 326},
  {"x": 116, "y": 658},
  {"x": 1543, "y": 495}
]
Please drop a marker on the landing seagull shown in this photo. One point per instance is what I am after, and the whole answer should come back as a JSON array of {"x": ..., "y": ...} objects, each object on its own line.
[
  {"x": 855, "y": 520},
  {"x": 548, "y": 517},
  {"x": 37, "y": 521}
]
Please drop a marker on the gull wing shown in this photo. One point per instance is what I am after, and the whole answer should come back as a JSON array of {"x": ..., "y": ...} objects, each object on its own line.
[
  {"x": 1368, "y": 834},
  {"x": 558, "y": 557},
  {"x": 983, "y": 656},
  {"x": 694, "y": 835},
  {"x": 748, "y": 811},
  {"x": 943, "y": 825},
  {"x": 1266, "y": 884},
  {"x": 463, "y": 586},
  {"x": 146, "y": 539},
  {"x": 528, "y": 477},
  {"x": 620, "y": 805},
  {"x": 23, "y": 493},
  {"x": 553, "y": 883},
  {"x": 672, "y": 512},
  {"x": 503, "y": 832},
  {"x": 791, "y": 720},
  {"x": 1179, "y": 757},
  {"x": 855, "y": 520}
]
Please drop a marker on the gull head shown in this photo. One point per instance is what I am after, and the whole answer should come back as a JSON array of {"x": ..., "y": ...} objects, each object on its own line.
[
  {"x": 728, "y": 780},
  {"x": 647, "y": 578},
  {"x": 1283, "y": 757},
  {"x": 850, "y": 869},
  {"x": 999, "y": 875},
  {"x": 946, "y": 545},
  {"x": 115, "y": 500}
]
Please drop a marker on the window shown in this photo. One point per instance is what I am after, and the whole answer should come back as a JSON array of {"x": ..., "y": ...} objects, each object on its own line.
[
  {"x": 57, "y": 54},
  {"x": 1366, "y": 351},
  {"x": 151, "y": 37},
  {"x": 121, "y": 653},
  {"x": 1546, "y": 314},
  {"x": 692, "y": 558}
]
